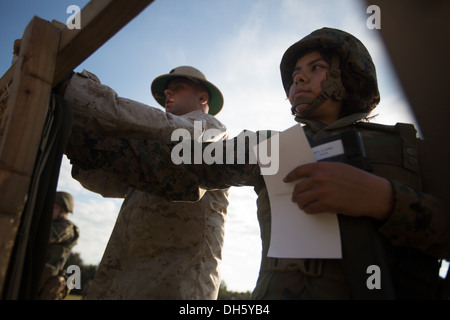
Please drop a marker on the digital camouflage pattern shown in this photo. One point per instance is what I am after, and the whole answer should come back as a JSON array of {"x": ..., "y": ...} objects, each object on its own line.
[
  {"x": 158, "y": 249},
  {"x": 63, "y": 237},
  {"x": 418, "y": 220}
]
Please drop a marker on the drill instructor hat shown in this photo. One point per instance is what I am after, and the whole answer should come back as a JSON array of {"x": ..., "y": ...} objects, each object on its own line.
[{"x": 160, "y": 84}]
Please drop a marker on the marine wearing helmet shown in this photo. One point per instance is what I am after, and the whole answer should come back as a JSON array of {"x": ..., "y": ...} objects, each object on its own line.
[{"x": 352, "y": 77}]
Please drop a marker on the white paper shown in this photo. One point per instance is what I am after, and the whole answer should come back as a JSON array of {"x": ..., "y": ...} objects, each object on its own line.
[{"x": 295, "y": 234}]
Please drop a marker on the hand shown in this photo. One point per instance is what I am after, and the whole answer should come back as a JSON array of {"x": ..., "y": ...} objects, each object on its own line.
[{"x": 340, "y": 188}]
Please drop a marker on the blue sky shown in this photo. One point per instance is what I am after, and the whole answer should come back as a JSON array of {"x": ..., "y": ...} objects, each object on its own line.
[{"x": 238, "y": 44}]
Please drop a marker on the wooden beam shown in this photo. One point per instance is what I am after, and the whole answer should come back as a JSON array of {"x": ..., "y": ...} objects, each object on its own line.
[
  {"x": 22, "y": 127},
  {"x": 100, "y": 20},
  {"x": 47, "y": 55}
]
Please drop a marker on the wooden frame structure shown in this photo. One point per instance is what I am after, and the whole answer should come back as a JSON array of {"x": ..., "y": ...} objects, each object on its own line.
[{"x": 47, "y": 55}]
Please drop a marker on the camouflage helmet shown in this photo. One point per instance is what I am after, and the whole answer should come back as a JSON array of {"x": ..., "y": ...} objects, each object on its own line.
[
  {"x": 65, "y": 200},
  {"x": 352, "y": 55}
]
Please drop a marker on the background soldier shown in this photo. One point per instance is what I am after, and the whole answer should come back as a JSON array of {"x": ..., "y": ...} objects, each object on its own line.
[{"x": 63, "y": 238}]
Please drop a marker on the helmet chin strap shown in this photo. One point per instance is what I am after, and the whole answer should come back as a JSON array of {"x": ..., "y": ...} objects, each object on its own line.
[{"x": 332, "y": 87}]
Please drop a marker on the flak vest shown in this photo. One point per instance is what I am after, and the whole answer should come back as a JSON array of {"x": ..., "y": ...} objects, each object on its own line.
[{"x": 390, "y": 152}]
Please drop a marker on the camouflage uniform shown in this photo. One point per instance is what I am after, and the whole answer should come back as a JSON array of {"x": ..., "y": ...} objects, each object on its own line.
[
  {"x": 63, "y": 237},
  {"x": 158, "y": 249},
  {"x": 418, "y": 220},
  {"x": 407, "y": 246}
]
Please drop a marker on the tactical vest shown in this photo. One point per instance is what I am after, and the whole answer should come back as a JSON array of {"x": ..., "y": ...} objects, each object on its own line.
[{"x": 390, "y": 152}]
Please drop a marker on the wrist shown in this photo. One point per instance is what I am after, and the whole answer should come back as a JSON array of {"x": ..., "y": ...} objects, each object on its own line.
[{"x": 385, "y": 200}]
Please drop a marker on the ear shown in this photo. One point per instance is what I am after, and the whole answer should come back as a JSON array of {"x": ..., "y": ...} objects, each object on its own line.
[{"x": 203, "y": 98}]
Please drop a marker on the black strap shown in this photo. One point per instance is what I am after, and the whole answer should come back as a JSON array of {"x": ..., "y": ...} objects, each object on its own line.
[
  {"x": 30, "y": 248},
  {"x": 362, "y": 247}
]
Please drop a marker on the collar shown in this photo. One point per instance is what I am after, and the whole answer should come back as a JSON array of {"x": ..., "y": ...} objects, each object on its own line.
[{"x": 317, "y": 130}]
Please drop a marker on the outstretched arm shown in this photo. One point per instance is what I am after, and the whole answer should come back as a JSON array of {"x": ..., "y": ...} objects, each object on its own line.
[
  {"x": 98, "y": 108},
  {"x": 147, "y": 165}
]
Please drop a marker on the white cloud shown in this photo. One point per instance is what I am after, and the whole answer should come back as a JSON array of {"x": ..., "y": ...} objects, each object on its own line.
[
  {"x": 242, "y": 249},
  {"x": 395, "y": 108},
  {"x": 95, "y": 218},
  {"x": 66, "y": 182}
]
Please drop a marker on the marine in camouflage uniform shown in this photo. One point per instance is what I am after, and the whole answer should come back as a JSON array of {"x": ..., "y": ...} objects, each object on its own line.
[
  {"x": 63, "y": 237},
  {"x": 407, "y": 244},
  {"x": 158, "y": 249}
]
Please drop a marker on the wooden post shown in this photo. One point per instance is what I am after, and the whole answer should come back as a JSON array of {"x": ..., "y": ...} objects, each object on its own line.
[
  {"x": 22, "y": 126},
  {"x": 47, "y": 55}
]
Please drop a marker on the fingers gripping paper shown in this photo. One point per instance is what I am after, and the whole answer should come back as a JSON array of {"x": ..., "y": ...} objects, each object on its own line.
[{"x": 295, "y": 234}]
